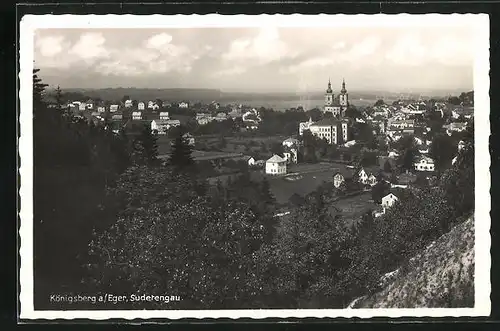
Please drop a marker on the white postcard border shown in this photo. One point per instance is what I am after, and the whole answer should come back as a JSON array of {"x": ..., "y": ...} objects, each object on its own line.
[{"x": 480, "y": 22}]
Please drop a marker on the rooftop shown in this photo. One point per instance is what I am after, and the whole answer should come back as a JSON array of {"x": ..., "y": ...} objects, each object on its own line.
[{"x": 276, "y": 158}]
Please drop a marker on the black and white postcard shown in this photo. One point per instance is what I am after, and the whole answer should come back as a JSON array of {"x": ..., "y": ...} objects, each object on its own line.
[{"x": 286, "y": 166}]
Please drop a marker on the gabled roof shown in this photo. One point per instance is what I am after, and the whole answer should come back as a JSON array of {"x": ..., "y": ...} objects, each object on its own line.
[
  {"x": 291, "y": 140},
  {"x": 276, "y": 158}
]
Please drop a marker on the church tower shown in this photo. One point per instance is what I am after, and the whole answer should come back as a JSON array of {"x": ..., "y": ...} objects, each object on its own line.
[
  {"x": 329, "y": 95},
  {"x": 344, "y": 96}
]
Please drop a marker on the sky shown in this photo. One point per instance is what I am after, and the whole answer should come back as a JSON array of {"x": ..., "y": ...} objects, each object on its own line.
[{"x": 266, "y": 59}]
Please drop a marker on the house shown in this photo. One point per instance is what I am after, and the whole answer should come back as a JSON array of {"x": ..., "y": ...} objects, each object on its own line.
[
  {"x": 372, "y": 180},
  {"x": 113, "y": 108},
  {"x": 150, "y": 104},
  {"x": 250, "y": 161},
  {"x": 393, "y": 154},
  {"x": 401, "y": 124},
  {"x": 141, "y": 105},
  {"x": 330, "y": 129},
  {"x": 221, "y": 117},
  {"x": 165, "y": 104},
  {"x": 155, "y": 106},
  {"x": 164, "y": 115},
  {"x": 305, "y": 126},
  {"x": 260, "y": 163},
  {"x": 341, "y": 175},
  {"x": 350, "y": 143},
  {"x": 183, "y": 105},
  {"x": 137, "y": 115},
  {"x": 461, "y": 145},
  {"x": 276, "y": 165},
  {"x": 90, "y": 104},
  {"x": 82, "y": 106},
  {"x": 368, "y": 175},
  {"x": 455, "y": 127},
  {"x": 171, "y": 123},
  {"x": 117, "y": 117},
  {"x": 424, "y": 163},
  {"x": 290, "y": 154},
  {"x": 159, "y": 126},
  {"x": 128, "y": 103},
  {"x": 101, "y": 109},
  {"x": 291, "y": 142},
  {"x": 389, "y": 200}
]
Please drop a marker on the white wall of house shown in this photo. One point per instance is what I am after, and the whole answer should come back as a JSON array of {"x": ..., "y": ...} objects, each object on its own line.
[
  {"x": 424, "y": 164},
  {"x": 338, "y": 179},
  {"x": 389, "y": 200},
  {"x": 276, "y": 168}
]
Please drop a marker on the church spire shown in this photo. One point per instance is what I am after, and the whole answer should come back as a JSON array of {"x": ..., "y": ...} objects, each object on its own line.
[
  {"x": 343, "y": 87},
  {"x": 329, "y": 89}
]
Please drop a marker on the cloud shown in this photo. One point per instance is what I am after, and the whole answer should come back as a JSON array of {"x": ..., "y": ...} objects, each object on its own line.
[
  {"x": 408, "y": 50},
  {"x": 339, "y": 45},
  {"x": 412, "y": 50},
  {"x": 452, "y": 51},
  {"x": 265, "y": 47},
  {"x": 159, "y": 41},
  {"x": 337, "y": 54},
  {"x": 51, "y": 45},
  {"x": 236, "y": 70},
  {"x": 90, "y": 47},
  {"x": 366, "y": 47},
  {"x": 313, "y": 63}
]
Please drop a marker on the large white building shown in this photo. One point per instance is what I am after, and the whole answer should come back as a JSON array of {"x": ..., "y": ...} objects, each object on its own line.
[
  {"x": 330, "y": 129},
  {"x": 276, "y": 165}
]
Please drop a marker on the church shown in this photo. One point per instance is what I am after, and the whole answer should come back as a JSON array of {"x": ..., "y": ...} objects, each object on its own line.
[
  {"x": 336, "y": 106},
  {"x": 334, "y": 129}
]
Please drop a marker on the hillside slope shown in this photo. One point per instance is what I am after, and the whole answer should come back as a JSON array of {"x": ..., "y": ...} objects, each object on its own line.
[{"x": 442, "y": 276}]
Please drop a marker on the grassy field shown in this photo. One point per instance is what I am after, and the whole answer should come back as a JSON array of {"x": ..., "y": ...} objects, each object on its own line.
[
  {"x": 356, "y": 206},
  {"x": 235, "y": 144}
]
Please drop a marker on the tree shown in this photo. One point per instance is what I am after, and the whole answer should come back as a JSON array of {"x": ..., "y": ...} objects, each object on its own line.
[
  {"x": 379, "y": 102},
  {"x": 442, "y": 151},
  {"x": 146, "y": 147},
  {"x": 380, "y": 190},
  {"x": 266, "y": 195},
  {"x": 175, "y": 238},
  {"x": 59, "y": 99},
  {"x": 180, "y": 156},
  {"x": 387, "y": 167},
  {"x": 125, "y": 98}
]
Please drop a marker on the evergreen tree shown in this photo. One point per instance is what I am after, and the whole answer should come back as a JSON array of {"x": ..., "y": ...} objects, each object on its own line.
[
  {"x": 266, "y": 194},
  {"x": 146, "y": 147},
  {"x": 180, "y": 156},
  {"x": 387, "y": 166},
  {"x": 59, "y": 100}
]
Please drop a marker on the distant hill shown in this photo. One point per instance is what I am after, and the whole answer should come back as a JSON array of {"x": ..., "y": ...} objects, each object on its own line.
[
  {"x": 208, "y": 95},
  {"x": 442, "y": 276}
]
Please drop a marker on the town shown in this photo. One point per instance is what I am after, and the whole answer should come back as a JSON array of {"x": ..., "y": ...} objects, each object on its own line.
[{"x": 370, "y": 155}]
